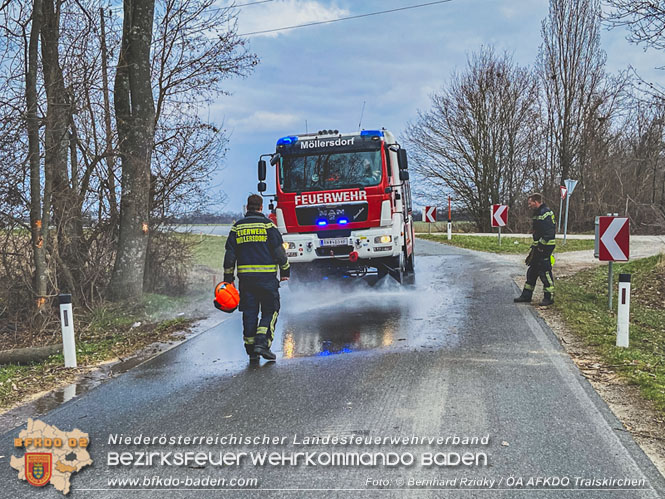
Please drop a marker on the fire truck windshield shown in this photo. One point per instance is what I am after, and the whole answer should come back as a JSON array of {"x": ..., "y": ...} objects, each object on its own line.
[{"x": 329, "y": 171}]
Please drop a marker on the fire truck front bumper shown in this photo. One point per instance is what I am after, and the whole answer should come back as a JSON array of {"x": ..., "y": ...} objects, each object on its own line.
[{"x": 361, "y": 247}]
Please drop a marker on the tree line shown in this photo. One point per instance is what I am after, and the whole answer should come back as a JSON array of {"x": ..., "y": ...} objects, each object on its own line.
[
  {"x": 498, "y": 131},
  {"x": 102, "y": 142}
]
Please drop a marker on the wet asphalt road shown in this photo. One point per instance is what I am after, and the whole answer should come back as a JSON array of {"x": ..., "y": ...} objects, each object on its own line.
[{"x": 452, "y": 356}]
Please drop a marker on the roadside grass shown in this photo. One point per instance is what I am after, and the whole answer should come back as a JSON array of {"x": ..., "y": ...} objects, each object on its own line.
[
  {"x": 113, "y": 331},
  {"x": 443, "y": 227},
  {"x": 107, "y": 338},
  {"x": 512, "y": 245},
  {"x": 582, "y": 301}
]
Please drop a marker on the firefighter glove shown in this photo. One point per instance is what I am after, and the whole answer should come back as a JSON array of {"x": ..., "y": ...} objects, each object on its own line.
[{"x": 529, "y": 257}]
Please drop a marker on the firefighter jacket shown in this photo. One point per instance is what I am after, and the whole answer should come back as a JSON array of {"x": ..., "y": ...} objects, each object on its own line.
[
  {"x": 544, "y": 227},
  {"x": 255, "y": 245}
]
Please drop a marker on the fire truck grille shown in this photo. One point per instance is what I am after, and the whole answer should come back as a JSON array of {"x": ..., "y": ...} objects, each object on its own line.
[{"x": 331, "y": 214}]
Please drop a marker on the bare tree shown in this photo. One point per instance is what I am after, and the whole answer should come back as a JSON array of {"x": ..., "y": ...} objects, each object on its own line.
[
  {"x": 135, "y": 121},
  {"x": 69, "y": 227},
  {"x": 194, "y": 54},
  {"x": 39, "y": 218},
  {"x": 59, "y": 142},
  {"x": 479, "y": 139},
  {"x": 571, "y": 70},
  {"x": 645, "y": 20}
]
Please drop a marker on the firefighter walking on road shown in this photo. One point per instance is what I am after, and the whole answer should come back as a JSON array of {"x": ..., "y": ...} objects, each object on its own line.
[
  {"x": 540, "y": 257},
  {"x": 255, "y": 245}
]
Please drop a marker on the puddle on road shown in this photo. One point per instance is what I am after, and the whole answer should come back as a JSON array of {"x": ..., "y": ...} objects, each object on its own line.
[
  {"x": 55, "y": 398},
  {"x": 335, "y": 317}
]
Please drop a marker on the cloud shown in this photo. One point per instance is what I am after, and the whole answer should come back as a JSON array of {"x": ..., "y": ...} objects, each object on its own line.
[
  {"x": 284, "y": 13},
  {"x": 516, "y": 9},
  {"x": 264, "y": 121}
]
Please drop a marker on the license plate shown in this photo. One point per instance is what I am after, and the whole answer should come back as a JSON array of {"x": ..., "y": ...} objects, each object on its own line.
[{"x": 334, "y": 241}]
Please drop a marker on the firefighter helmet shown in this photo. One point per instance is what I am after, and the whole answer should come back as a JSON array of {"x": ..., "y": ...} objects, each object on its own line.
[{"x": 226, "y": 297}]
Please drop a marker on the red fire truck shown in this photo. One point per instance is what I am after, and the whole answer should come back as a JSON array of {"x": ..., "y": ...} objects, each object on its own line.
[{"x": 343, "y": 204}]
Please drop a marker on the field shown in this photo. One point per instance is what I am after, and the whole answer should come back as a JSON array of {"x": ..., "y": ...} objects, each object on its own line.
[{"x": 508, "y": 244}]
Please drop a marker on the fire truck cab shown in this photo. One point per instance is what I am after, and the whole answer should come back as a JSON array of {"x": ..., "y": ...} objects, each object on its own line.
[{"x": 343, "y": 204}]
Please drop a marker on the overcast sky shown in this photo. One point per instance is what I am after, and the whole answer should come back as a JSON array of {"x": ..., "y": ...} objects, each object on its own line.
[{"x": 393, "y": 62}]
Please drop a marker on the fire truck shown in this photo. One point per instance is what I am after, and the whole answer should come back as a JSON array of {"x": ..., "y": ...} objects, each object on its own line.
[{"x": 342, "y": 204}]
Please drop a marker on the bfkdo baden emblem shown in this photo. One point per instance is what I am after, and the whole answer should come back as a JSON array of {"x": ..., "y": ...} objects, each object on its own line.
[{"x": 38, "y": 468}]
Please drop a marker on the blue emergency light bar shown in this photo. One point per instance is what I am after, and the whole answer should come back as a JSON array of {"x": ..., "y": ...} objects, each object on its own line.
[
  {"x": 291, "y": 139},
  {"x": 343, "y": 221},
  {"x": 371, "y": 133},
  {"x": 321, "y": 223}
]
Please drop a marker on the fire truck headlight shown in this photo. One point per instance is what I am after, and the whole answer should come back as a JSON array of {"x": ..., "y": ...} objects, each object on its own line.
[
  {"x": 382, "y": 239},
  {"x": 288, "y": 245},
  {"x": 321, "y": 223}
]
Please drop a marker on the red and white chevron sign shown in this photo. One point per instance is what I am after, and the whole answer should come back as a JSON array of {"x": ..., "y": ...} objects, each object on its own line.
[
  {"x": 614, "y": 239},
  {"x": 429, "y": 215},
  {"x": 499, "y": 215}
]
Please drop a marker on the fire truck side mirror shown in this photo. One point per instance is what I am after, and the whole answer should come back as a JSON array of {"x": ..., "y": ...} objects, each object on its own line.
[
  {"x": 403, "y": 175},
  {"x": 262, "y": 187},
  {"x": 262, "y": 171},
  {"x": 403, "y": 163},
  {"x": 274, "y": 159}
]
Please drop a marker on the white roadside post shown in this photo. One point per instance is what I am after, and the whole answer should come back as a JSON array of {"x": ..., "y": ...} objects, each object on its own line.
[
  {"x": 623, "y": 311},
  {"x": 450, "y": 220},
  {"x": 67, "y": 326},
  {"x": 570, "y": 187}
]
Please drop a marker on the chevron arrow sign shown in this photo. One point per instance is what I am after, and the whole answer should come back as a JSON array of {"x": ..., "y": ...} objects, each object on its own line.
[{"x": 614, "y": 235}]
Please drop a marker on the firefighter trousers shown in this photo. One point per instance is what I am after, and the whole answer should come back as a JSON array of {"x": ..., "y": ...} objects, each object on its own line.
[
  {"x": 541, "y": 267},
  {"x": 259, "y": 295}
]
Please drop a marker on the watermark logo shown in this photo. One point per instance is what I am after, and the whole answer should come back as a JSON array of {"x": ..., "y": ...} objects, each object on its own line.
[{"x": 51, "y": 455}]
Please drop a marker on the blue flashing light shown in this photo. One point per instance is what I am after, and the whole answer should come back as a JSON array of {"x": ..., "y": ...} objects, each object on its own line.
[
  {"x": 371, "y": 133},
  {"x": 325, "y": 353},
  {"x": 321, "y": 223},
  {"x": 291, "y": 139},
  {"x": 346, "y": 350},
  {"x": 343, "y": 221}
]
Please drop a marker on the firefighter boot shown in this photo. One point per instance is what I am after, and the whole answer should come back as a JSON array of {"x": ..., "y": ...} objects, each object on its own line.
[
  {"x": 525, "y": 297},
  {"x": 249, "y": 348},
  {"x": 547, "y": 300},
  {"x": 261, "y": 347}
]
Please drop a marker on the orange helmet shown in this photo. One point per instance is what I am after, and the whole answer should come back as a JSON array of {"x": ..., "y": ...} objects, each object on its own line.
[{"x": 227, "y": 297}]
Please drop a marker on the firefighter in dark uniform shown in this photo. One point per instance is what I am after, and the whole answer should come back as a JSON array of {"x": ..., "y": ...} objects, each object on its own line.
[
  {"x": 255, "y": 245},
  {"x": 539, "y": 260}
]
